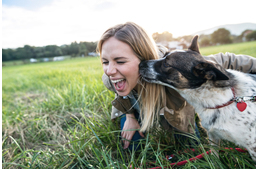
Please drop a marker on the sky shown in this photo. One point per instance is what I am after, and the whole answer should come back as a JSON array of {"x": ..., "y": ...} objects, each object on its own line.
[{"x": 58, "y": 22}]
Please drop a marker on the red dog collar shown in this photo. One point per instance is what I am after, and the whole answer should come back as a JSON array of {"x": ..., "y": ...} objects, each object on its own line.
[
  {"x": 241, "y": 104},
  {"x": 226, "y": 104}
]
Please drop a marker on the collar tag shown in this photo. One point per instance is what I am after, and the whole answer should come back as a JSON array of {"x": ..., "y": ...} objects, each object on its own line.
[{"x": 241, "y": 106}]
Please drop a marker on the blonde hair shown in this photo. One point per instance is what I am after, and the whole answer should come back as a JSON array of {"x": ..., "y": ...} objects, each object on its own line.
[{"x": 150, "y": 95}]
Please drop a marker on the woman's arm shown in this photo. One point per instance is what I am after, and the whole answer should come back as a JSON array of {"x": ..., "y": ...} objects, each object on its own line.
[
  {"x": 243, "y": 63},
  {"x": 132, "y": 124}
]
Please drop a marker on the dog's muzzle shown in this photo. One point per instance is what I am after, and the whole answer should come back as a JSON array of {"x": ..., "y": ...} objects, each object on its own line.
[{"x": 147, "y": 70}]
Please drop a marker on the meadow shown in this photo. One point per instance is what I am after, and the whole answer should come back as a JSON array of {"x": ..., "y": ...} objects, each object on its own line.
[{"x": 57, "y": 115}]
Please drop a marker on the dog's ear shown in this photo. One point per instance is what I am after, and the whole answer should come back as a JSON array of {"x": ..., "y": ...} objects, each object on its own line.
[
  {"x": 209, "y": 71},
  {"x": 194, "y": 45}
]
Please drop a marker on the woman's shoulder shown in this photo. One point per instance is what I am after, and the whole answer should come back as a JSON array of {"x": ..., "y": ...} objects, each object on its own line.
[{"x": 173, "y": 99}]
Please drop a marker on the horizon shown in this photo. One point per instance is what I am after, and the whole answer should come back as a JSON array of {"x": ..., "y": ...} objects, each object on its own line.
[
  {"x": 151, "y": 34},
  {"x": 61, "y": 22}
]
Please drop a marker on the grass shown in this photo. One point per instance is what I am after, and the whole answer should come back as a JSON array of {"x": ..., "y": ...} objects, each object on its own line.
[
  {"x": 57, "y": 115},
  {"x": 247, "y": 48}
]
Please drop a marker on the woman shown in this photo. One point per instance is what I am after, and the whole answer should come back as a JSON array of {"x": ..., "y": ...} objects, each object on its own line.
[{"x": 121, "y": 49}]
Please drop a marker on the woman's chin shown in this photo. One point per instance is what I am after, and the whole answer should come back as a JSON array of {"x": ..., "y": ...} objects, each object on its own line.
[{"x": 123, "y": 93}]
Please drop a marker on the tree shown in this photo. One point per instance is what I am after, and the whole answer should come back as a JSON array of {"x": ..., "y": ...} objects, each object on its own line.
[
  {"x": 7, "y": 54},
  {"x": 91, "y": 46},
  {"x": 74, "y": 48},
  {"x": 205, "y": 42},
  {"x": 165, "y": 36},
  {"x": 29, "y": 52},
  {"x": 186, "y": 38},
  {"x": 251, "y": 36},
  {"x": 19, "y": 53},
  {"x": 83, "y": 49},
  {"x": 50, "y": 51},
  {"x": 65, "y": 49},
  {"x": 221, "y": 36},
  {"x": 58, "y": 52},
  {"x": 39, "y": 52}
]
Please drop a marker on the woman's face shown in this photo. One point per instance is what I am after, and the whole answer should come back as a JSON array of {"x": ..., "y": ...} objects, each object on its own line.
[{"x": 121, "y": 65}]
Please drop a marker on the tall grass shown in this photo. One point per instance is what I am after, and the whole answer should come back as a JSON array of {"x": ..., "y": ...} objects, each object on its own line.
[{"x": 57, "y": 115}]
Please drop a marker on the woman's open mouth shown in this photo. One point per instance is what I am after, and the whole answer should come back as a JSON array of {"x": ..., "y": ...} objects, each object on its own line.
[{"x": 119, "y": 84}]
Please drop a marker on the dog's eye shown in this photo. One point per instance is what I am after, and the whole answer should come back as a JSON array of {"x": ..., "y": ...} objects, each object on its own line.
[{"x": 165, "y": 64}]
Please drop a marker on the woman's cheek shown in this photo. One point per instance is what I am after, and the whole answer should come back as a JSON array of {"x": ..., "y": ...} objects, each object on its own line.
[{"x": 104, "y": 68}]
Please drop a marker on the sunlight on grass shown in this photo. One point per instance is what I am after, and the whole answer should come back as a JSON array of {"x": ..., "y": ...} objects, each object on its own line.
[
  {"x": 57, "y": 115},
  {"x": 247, "y": 48}
]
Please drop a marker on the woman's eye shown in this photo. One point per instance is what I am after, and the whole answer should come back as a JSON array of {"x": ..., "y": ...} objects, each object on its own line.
[
  {"x": 120, "y": 62},
  {"x": 104, "y": 62}
]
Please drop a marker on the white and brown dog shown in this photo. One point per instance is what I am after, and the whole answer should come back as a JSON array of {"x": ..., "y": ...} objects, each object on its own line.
[{"x": 227, "y": 111}]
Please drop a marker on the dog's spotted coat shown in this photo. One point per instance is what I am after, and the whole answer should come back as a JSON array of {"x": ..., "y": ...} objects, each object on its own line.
[
  {"x": 206, "y": 85},
  {"x": 228, "y": 122}
]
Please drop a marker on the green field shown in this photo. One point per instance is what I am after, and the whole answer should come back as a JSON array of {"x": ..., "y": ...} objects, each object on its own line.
[
  {"x": 57, "y": 115},
  {"x": 247, "y": 48}
]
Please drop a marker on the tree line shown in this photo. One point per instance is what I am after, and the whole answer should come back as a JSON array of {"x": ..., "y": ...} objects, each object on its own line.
[
  {"x": 27, "y": 52},
  {"x": 220, "y": 36}
]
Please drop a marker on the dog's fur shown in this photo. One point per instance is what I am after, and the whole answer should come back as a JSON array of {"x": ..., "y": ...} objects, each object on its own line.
[{"x": 205, "y": 85}]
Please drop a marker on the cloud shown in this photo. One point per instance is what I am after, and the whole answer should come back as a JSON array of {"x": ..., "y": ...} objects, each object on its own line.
[
  {"x": 60, "y": 23},
  {"x": 27, "y": 4},
  {"x": 65, "y": 21},
  {"x": 104, "y": 6}
]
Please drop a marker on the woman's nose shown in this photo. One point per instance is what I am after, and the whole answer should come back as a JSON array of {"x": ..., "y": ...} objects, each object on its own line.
[{"x": 111, "y": 69}]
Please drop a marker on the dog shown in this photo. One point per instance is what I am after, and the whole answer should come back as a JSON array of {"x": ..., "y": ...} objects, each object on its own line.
[{"x": 224, "y": 99}]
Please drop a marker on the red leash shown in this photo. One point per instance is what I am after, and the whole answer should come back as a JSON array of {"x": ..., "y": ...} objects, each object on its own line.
[
  {"x": 195, "y": 158},
  {"x": 185, "y": 161},
  {"x": 238, "y": 149}
]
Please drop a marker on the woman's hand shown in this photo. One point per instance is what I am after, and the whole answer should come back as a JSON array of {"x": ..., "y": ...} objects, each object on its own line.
[{"x": 130, "y": 124}]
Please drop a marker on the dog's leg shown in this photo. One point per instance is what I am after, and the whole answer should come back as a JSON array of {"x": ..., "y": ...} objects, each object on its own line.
[
  {"x": 252, "y": 151},
  {"x": 214, "y": 142}
]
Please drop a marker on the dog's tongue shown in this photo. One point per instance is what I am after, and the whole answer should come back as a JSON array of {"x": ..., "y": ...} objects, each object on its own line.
[{"x": 120, "y": 84}]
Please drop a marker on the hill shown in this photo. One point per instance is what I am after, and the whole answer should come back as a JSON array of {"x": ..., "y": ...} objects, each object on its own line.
[{"x": 235, "y": 29}]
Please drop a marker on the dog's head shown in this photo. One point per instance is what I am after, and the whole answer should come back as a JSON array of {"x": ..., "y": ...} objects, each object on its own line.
[{"x": 182, "y": 69}]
